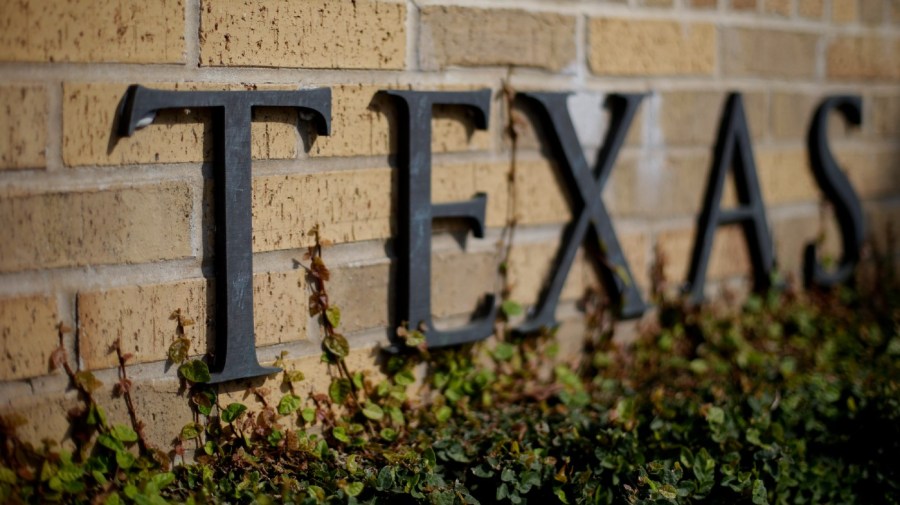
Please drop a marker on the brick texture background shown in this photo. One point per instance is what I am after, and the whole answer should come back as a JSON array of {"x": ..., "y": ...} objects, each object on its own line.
[{"x": 111, "y": 236}]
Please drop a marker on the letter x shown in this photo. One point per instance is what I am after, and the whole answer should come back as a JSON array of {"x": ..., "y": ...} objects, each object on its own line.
[{"x": 591, "y": 215}]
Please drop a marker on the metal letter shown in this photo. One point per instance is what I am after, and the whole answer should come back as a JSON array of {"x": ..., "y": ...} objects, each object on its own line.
[
  {"x": 235, "y": 352},
  {"x": 733, "y": 150},
  {"x": 591, "y": 215},
  {"x": 837, "y": 188},
  {"x": 416, "y": 212}
]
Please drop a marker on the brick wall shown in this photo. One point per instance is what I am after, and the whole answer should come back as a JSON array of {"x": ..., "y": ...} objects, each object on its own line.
[{"x": 111, "y": 236}]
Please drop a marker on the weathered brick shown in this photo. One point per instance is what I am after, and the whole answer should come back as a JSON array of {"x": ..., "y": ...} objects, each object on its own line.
[
  {"x": 644, "y": 47},
  {"x": 461, "y": 181},
  {"x": 176, "y": 136},
  {"x": 872, "y": 12},
  {"x": 894, "y": 8},
  {"x": 768, "y": 53},
  {"x": 844, "y": 11},
  {"x": 863, "y": 57},
  {"x": 704, "y": 4},
  {"x": 729, "y": 256},
  {"x": 886, "y": 116},
  {"x": 693, "y": 117},
  {"x": 142, "y": 316},
  {"x": 460, "y": 280},
  {"x": 27, "y": 336},
  {"x": 126, "y": 225},
  {"x": 97, "y": 31},
  {"x": 778, "y": 7},
  {"x": 362, "y": 122},
  {"x": 467, "y": 37},
  {"x": 310, "y": 34},
  {"x": 812, "y": 9},
  {"x": 785, "y": 176},
  {"x": 45, "y": 416},
  {"x": 873, "y": 173},
  {"x": 23, "y": 126}
]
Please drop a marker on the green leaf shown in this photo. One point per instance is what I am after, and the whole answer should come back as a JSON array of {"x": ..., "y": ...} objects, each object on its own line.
[
  {"x": 87, "y": 381},
  {"x": 337, "y": 345},
  {"x": 179, "y": 349},
  {"x": 289, "y": 404},
  {"x": 96, "y": 415},
  {"x": 233, "y": 411},
  {"x": 204, "y": 400},
  {"x": 340, "y": 433},
  {"x": 163, "y": 479},
  {"x": 715, "y": 415},
  {"x": 560, "y": 495},
  {"x": 123, "y": 433},
  {"x": 385, "y": 479},
  {"x": 191, "y": 431},
  {"x": 195, "y": 371},
  {"x": 308, "y": 414},
  {"x": 389, "y": 434},
  {"x": 125, "y": 459},
  {"x": 110, "y": 442},
  {"x": 339, "y": 390},
  {"x": 511, "y": 308},
  {"x": 503, "y": 352},
  {"x": 404, "y": 378},
  {"x": 354, "y": 488},
  {"x": 293, "y": 376},
  {"x": 760, "y": 497},
  {"x": 372, "y": 411},
  {"x": 443, "y": 413},
  {"x": 333, "y": 314}
]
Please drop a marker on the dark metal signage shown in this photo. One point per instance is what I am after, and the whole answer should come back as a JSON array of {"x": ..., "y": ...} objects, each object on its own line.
[{"x": 591, "y": 226}]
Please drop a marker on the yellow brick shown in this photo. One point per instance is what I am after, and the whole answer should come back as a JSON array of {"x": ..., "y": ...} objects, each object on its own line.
[
  {"x": 362, "y": 122},
  {"x": 127, "y": 225},
  {"x": 872, "y": 173},
  {"x": 768, "y": 53},
  {"x": 872, "y": 12},
  {"x": 864, "y": 57},
  {"x": 791, "y": 115},
  {"x": 532, "y": 265},
  {"x": 811, "y": 8},
  {"x": 743, "y": 5},
  {"x": 347, "y": 205},
  {"x": 451, "y": 183},
  {"x": 779, "y": 7},
  {"x": 844, "y": 11},
  {"x": 791, "y": 236},
  {"x": 46, "y": 417},
  {"x": 459, "y": 282},
  {"x": 639, "y": 47},
  {"x": 309, "y": 34},
  {"x": 729, "y": 256},
  {"x": 886, "y": 116},
  {"x": 693, "y": 117},
  {"x": 362, "y": 293},
  {"x": 176, "y": 136},
  {"x": 704, "y": 4},
  {"x": 540, "y": 196},
  {"x": 786, "y": 177},
  {"x": 657, "y": 3},
  {"x": 462, "y": 36},
  {"x": 141, "y": 316},
  {"x": 27, "y": 336},
  {"x": 96, "y": 31},
  {"x": 23, "y": 126}
]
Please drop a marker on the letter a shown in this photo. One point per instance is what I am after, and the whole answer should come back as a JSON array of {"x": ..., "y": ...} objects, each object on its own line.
[{"x": 733, "y": 149}]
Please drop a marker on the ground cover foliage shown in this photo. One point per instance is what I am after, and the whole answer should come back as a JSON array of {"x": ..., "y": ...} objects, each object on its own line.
[{"x": 789, "y": 398}]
